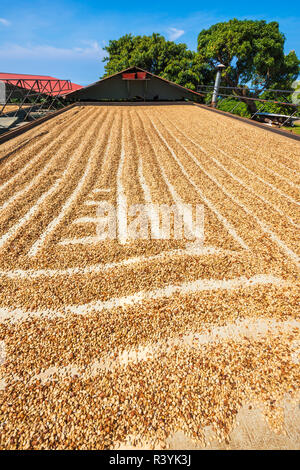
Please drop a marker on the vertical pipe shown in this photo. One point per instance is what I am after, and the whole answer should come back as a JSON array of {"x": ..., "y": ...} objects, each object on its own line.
[{"x": 217, "y": 85}]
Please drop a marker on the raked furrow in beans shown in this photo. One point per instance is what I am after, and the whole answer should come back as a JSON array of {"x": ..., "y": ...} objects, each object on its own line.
[
  {"x": 49, "y": 201},
  {"x": 26, "y": 154},
  {"x": 20, "y": 205},
  {"x": 38, "y": 175},
  {"x": 215, "y": 232},
  {"x": 255, "y": 140},
  {"x": 246, "y": 146},
  {"x": 126, "y": 342},
  {"x": 267, "y": 213},
  {"x": 174, "y": 391},
  {"x": 14, "y": 146}
]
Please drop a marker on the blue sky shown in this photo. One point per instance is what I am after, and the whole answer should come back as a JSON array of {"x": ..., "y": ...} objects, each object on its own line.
[{"x": 65, "y": 38}]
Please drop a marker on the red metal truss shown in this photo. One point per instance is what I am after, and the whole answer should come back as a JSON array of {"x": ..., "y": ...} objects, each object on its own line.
[{"x": 40, "y": 83}]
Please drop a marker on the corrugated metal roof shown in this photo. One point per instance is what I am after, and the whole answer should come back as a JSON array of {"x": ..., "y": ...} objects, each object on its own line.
[{"x": 55, "y": 87}]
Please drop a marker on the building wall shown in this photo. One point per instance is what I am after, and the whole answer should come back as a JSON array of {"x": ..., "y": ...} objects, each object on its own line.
[
  {"x": 8, "y": 91},
  {"x": 2, "y": 92},
  {"x": 115, "y": 88}
]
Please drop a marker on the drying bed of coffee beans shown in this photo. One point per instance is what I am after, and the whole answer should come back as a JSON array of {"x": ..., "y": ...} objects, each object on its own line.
[{"x": 130, "y": 343}]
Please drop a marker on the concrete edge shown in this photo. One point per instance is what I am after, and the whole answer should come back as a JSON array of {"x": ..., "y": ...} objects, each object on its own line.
[
  {"x": 249, "y": 121},
  {"x": 20, "y": 130}
]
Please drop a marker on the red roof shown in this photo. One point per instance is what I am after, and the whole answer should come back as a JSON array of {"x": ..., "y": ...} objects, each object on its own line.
[{"x": 46, "y": 84}]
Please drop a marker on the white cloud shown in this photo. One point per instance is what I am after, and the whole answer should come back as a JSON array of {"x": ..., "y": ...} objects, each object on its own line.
[
  {"x": 89, "y": 50},
  {"x": 174, "y": 33},
  {"x": 4, "y": 22}
]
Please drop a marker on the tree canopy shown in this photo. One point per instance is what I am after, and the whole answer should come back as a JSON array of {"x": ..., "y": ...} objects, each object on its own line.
[
  {"x": 252, "y": 51},
  {"x": 296, "y": 94},
  {"x": 154, "y": 53},
  {"x": 253, "y": 54}
]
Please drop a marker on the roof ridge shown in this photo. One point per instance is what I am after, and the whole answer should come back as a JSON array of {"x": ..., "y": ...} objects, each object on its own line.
[{"x": 143, "y": 70}]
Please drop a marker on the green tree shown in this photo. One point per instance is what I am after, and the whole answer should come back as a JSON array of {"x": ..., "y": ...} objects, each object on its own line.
[
  {"x": 253, "y": 53},
  {"x": 160, "y": 57},
  {"x": 296, "y": 94}
]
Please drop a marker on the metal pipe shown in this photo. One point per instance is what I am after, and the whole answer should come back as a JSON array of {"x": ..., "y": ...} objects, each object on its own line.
[
  {"x": 217, "y": 85},
  {"x": 288, "y": 118},
  {"x": 235, "y": 106},
  {"x": 258, "y": 111}
]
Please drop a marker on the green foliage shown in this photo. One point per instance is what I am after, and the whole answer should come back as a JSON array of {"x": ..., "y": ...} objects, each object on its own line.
[
  {"x": 253, "y": 54},
  {"x": 275, "y": 107},
  {"x": 296, "y": 95},
  {"x": 238, "y": 108},
  {"x": 252, "y": 51},
  {"x": 294, "y": 130},
  {"x": 160, "y": 57}
]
